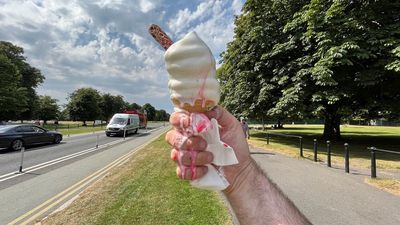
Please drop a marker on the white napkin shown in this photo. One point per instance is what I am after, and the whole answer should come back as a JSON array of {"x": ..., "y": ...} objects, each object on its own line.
[{"x": 223, "y": 153}]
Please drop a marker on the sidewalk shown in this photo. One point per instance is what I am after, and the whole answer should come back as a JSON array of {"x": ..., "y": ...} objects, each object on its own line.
[{"x": 329, "y": 196}]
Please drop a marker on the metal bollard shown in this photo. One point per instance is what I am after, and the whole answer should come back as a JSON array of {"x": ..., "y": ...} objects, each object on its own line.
[
  {"x": 22, "y": 159},
  {"x": 346, "y": 158},
  {"x": 301, "y": 147},
  {"x": 68, "y": 130},
  {"x": 328, "y": 153},
  {"x": 267, "y": 138},
  {"x": 373, "y": 162},
  {"x": 124, "y": 133},
  {"x": 97, "y": 141},
  {"x": 315, "y": 150}
]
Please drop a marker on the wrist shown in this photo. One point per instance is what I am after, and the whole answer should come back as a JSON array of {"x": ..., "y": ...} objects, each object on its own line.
[{"x": 243, "y": 175}]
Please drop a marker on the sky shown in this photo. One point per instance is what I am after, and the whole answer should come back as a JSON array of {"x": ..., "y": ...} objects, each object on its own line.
[{"x": 104, "y": 44}]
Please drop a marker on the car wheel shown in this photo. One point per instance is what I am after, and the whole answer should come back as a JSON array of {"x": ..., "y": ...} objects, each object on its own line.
[
  {"x": 17, "y": 144},
  {"x": 57, "y": 139},
  {"x": 108, "y": 135}
]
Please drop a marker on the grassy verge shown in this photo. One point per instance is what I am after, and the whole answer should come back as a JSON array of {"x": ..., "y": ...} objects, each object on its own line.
[
  {"x": 144, "y": 191},
  {"x": 389, "y": 185},
  {"x": 80, "y": 130}
]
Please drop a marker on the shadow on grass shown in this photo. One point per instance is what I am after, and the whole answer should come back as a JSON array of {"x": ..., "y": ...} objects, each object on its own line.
[{"x": 357, "y": 144}]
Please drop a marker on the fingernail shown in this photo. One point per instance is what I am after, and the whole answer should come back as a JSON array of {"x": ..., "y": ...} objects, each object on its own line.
[
  {"x": 203, "y": 144},
  {"x": 210, "y": 158}
]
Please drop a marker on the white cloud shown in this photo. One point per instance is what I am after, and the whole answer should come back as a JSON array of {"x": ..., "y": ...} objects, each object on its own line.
[{"x": 104, "y": 44}]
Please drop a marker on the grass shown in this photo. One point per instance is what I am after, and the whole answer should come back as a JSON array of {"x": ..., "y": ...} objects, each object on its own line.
[
  {"x": 144, "y": 191},
  {"x": 389, "y": 185},
  {"x": 358, "y": 138}
]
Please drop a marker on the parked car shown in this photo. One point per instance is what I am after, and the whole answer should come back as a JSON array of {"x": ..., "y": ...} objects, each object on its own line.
[
  {"x": 123, "y": 122},
  {"x": 17, "y": 136}
]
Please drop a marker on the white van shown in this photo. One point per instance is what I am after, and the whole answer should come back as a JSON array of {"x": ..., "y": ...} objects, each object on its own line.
[{"x": 121, "y": 122}]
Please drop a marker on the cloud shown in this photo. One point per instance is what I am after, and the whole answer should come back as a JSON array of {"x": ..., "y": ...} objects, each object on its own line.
[{"x": 104, "y": 44}]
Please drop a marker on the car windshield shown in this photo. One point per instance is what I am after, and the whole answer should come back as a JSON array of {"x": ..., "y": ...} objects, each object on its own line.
[{"x": 118, "y": 120}]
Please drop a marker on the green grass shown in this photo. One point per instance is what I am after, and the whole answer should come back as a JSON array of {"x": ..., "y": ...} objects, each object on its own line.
[
  {"x": 358, "y": 138},
  {"x": 146, "y": 190}
]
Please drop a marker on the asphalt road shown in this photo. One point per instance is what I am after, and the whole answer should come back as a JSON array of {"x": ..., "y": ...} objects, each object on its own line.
[{"x": 49, "y": 170}]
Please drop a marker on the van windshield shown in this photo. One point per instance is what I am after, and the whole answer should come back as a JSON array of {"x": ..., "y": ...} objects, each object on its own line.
[{"x": 118, "y": 120}]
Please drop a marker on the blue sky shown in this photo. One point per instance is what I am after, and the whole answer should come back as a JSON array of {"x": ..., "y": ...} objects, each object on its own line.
[{"x": 104, "y": 44}]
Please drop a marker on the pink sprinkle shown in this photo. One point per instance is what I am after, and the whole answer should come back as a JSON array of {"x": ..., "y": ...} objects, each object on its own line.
[{"x": 225, "y": 145}]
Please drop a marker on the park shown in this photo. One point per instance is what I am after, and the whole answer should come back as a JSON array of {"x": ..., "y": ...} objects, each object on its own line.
[{"x": 317, "y": 81}]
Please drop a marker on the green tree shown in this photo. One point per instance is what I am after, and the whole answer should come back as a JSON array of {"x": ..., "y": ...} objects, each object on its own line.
[
  {"x": 29, "y": 78},
  {"x": 135, "y": 106},
  {"x": 330, "y": 60},
  {"x": 110, "y": 105},
  {"x": 150, "y": 110},
  {"x": 84, "y": 104},
  {"x": 161, "y": 115},
  {"x": 12, "y": 96},
  {"x": 47, "y": 108}
]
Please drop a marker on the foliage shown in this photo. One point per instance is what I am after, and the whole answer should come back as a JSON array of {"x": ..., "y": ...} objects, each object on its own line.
[
  {"x": 161, "y": 115},
  {"x": 110, "y": 105},
  {"x": 84, "y": 104},
  {"x": 18, "y": 82},
  {"x": 135, "y": 106},
  {"x": 330, "y": 59},
  {"x": 150, "y": 110},
  {"x": 47, "y": 108}
]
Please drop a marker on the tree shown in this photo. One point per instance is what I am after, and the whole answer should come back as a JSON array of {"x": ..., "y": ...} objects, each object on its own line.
[
  {"x": 161, "y": 115},
  {"x": 135, "y": 106},
  {"x": 47, "y": 108},
  {"x": 84, "y": 104},
  {"x": 12, "y": 96},
  {"x": 330, "y": 60},
  {"x": 110, "y": 105},
  {"x": 28, "y": 78},
  {"x": 150, "y": 110}
]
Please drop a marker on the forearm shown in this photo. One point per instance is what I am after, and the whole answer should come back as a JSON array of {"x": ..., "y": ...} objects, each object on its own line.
[{"x": 256, "y": 200}]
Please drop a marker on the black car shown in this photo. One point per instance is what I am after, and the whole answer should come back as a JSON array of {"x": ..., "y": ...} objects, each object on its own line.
[{"x": 17, "y": 136}]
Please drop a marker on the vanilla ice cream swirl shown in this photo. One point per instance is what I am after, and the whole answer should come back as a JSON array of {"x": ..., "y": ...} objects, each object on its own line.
[{"x": 192, "y": 74}]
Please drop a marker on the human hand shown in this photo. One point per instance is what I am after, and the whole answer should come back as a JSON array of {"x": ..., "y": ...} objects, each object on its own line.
[{"x": 190, "y": 154}]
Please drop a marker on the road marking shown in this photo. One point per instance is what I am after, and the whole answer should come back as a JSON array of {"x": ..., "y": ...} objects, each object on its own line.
[
  {"x": 45, "y": 206},
  {"x": 15, "y": 174}
]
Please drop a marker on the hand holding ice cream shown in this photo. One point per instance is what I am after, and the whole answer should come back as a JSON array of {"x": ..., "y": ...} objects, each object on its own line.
[{"x": 194, "y": 90}]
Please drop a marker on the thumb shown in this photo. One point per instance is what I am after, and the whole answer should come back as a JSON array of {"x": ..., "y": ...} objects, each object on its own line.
[{"x": 224, "y": 118}]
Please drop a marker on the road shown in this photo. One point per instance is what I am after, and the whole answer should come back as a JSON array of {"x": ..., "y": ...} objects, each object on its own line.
[{"x": 50, "y": 170}]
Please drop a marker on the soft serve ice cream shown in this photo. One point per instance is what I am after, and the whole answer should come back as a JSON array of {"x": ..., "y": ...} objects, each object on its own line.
[
  {"x": 192, "y": 82},
  {"x": 194, "y": 88}
]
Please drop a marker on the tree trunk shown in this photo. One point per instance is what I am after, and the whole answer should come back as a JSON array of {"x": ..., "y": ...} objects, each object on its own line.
[{"x": 332, "y": 127}]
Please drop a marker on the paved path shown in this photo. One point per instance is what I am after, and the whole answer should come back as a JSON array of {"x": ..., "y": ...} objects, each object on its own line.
[{"x": 329, "y": 196}]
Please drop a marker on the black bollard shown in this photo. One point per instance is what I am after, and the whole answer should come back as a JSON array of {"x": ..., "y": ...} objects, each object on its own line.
[
  {"x": 301, "y": 147},
  {"x": 373, "y": 162},
  {"x": 267, "y": 139},
  {"x": 315, "y": 150},
  {"x": 328, "y": 153},
  {"x": 346, "y": 158}
]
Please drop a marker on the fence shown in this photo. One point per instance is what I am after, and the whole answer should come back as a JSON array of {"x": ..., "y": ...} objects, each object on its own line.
[
  {"x": 315, "y": 149},
  {"x": 291, "y": 136},
  {"x": 373, "y": 158}
]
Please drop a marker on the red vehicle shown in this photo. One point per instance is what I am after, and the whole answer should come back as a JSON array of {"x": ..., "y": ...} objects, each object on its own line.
[{"x": 142, "y": 117}]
